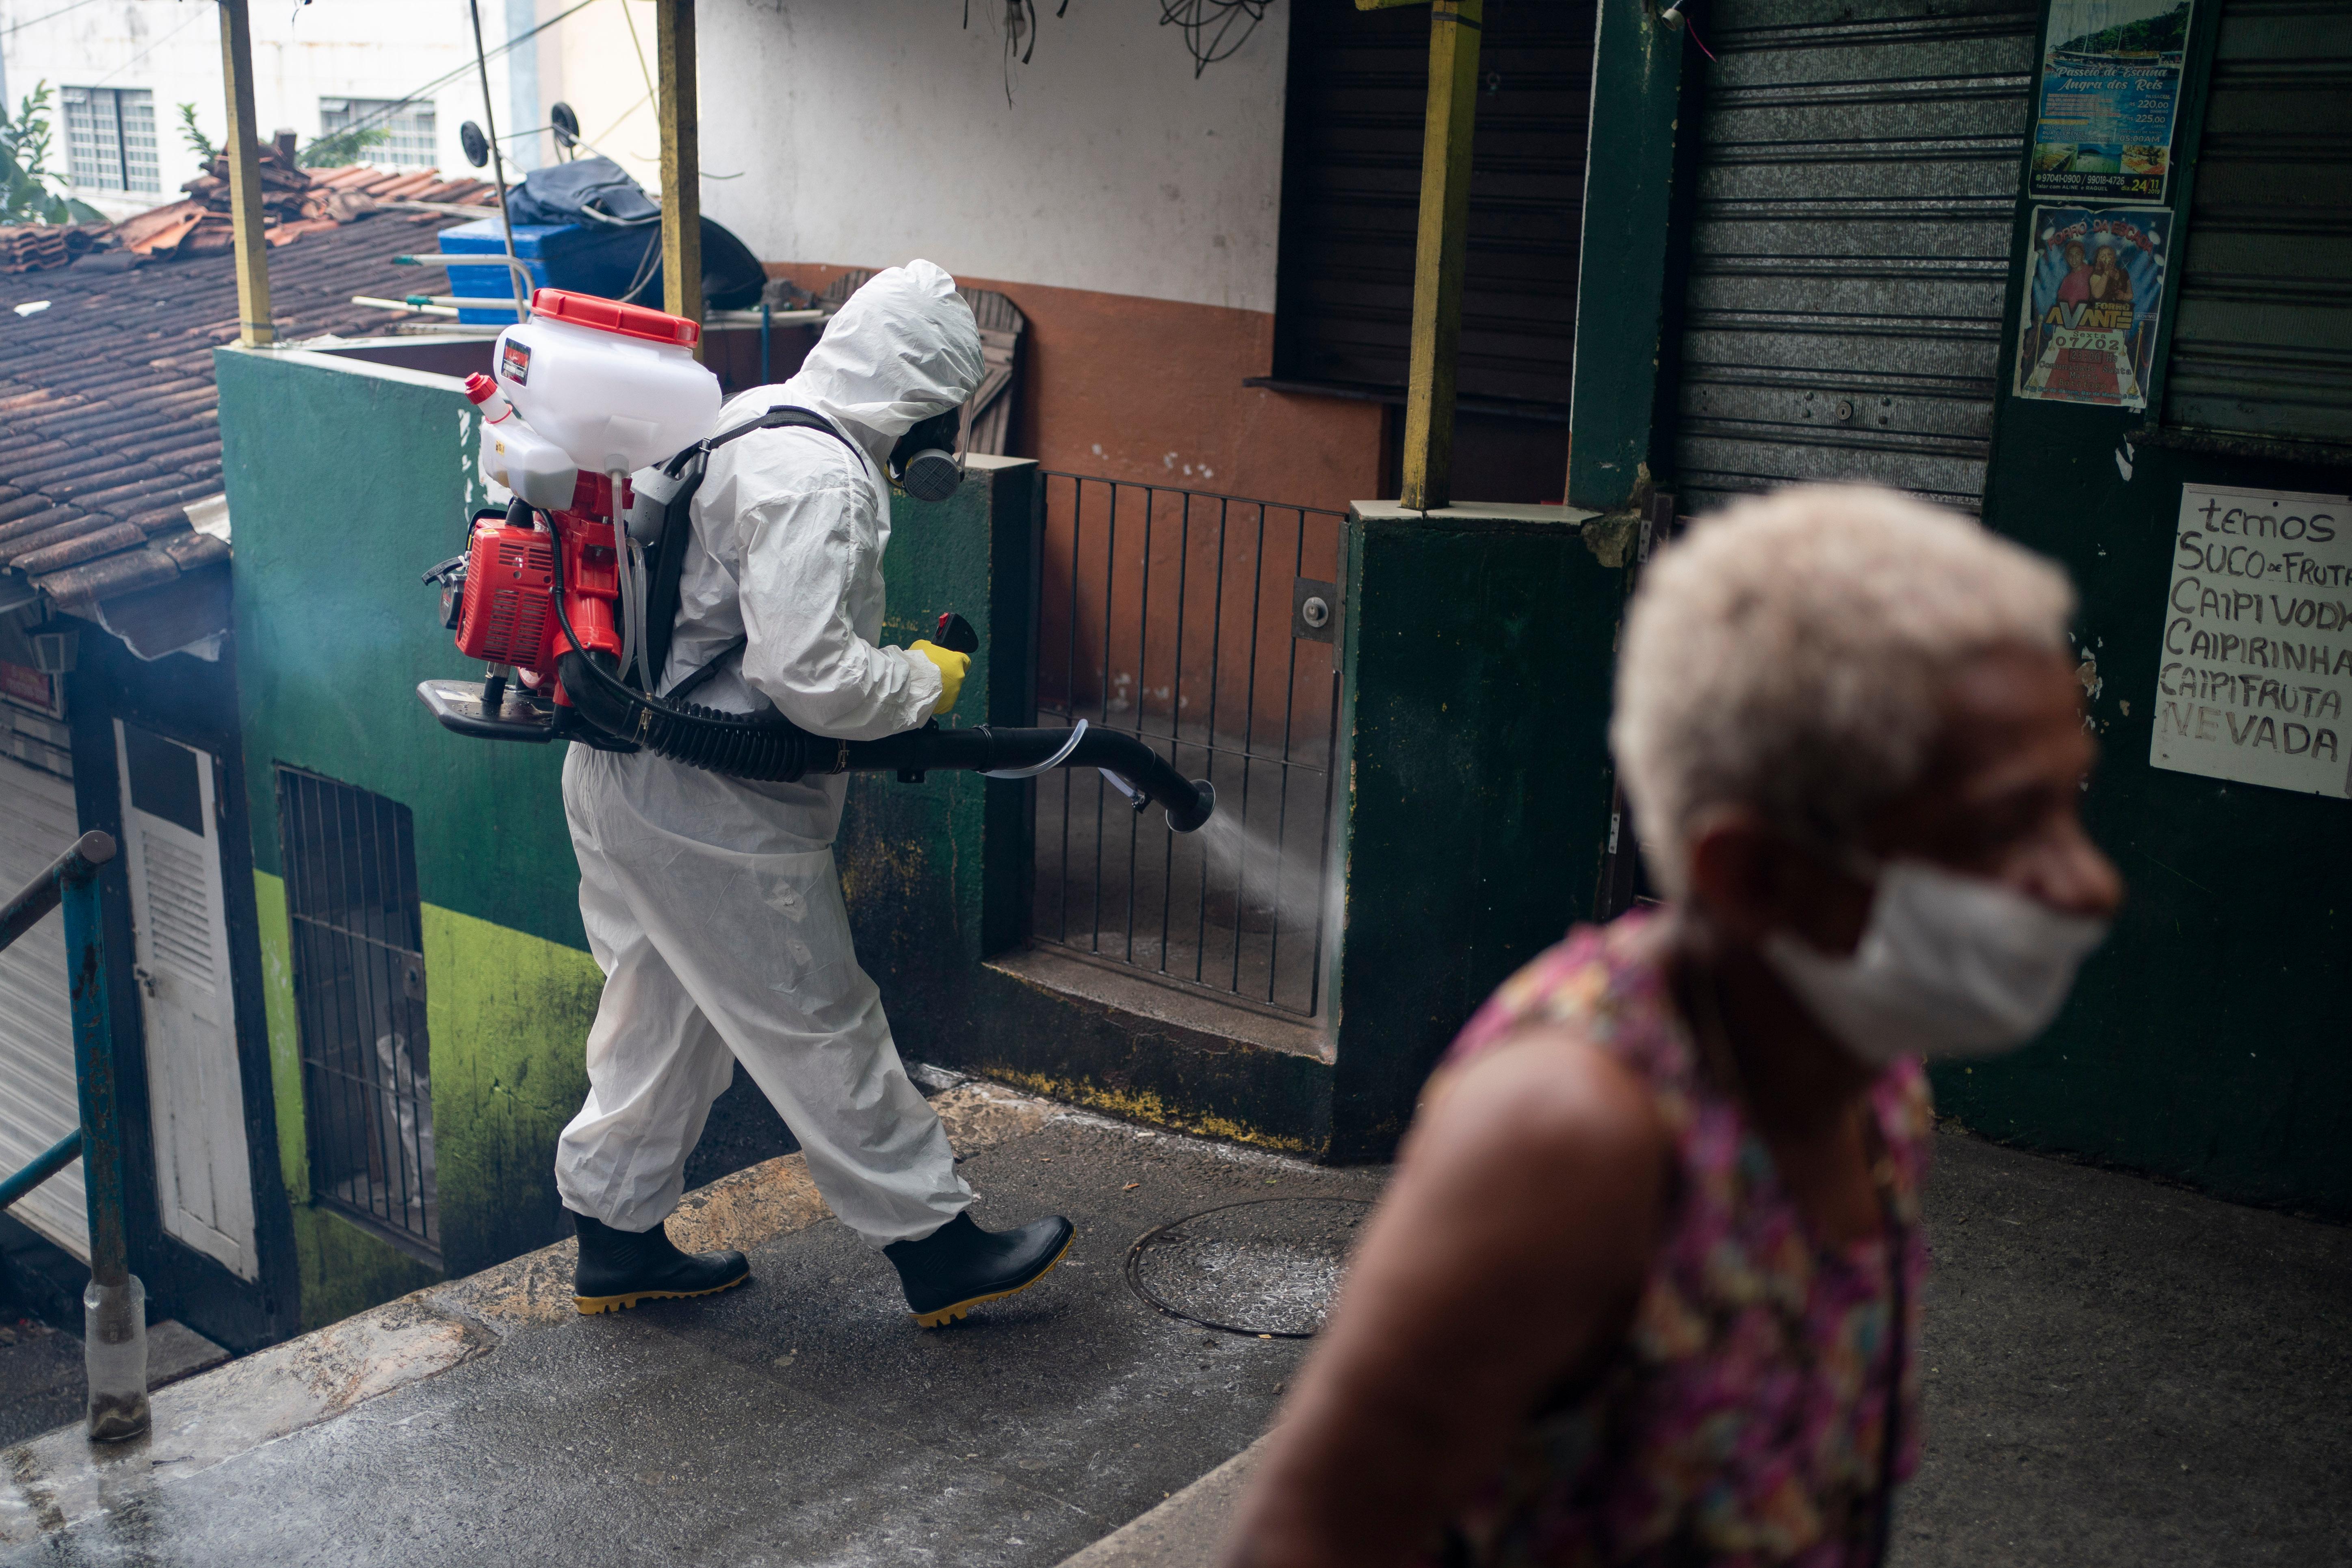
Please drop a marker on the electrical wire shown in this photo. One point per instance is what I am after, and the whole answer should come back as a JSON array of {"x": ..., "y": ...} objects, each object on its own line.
[
  {"x": 1020, "y": 20},
  {"x": 643, "y": 69},
  {"x": 385, "y": 112},
  {"x": 149, "y": 50},
  {"x": 1196, "y": 18},
  {"x": 499, "y": 170},
  {"x": 37, "y": 21}
]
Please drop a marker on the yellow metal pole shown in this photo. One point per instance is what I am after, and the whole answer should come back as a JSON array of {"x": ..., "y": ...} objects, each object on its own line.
[
  {"x": 254, "y": 328},
  {"x": 681, "y": 161},
  {"x": 1440, "y": 252}
]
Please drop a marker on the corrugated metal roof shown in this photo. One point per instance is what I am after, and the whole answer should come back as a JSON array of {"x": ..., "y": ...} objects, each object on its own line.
[{"x": 109, "y": 424}]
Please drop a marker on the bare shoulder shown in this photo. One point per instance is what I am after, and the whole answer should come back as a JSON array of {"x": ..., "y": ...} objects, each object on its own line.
[
  {"x": 1551, "y": 1084},
  {"x": 1546, "y": 1105}
]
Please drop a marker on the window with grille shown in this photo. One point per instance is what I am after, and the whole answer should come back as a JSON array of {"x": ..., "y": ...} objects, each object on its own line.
[
  {"x": 111, "y": 138},
  {"x": 350, "y": 860},
  {"x": 408, "y": 129}
]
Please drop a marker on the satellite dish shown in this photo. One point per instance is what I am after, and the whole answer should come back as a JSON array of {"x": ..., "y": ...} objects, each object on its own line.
[
  {"x": 562, "y": 119},
  {"x": 476, "y": 145}
]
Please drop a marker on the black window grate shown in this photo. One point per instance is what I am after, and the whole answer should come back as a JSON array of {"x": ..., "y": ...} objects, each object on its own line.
[{"x": 359, "y": 996}]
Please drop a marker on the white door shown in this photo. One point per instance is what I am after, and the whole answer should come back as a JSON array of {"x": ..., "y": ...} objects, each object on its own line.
[
  {"x": 171, "y": 832},
  {"x": 39, "y": 1101}
]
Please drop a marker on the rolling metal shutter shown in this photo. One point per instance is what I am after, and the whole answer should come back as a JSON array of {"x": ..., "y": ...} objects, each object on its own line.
[
  {"x": 1856, "y": 183},
  {"x": 1351, "y": 200},
  {"x": 40, "y": 1099},
  {"x": 2263, "y": 341}
]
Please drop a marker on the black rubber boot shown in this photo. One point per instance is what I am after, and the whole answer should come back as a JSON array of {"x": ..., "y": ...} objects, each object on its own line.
[
  {"x": 619, "y": 1268},
  {"x": 960, "y": 1265}
]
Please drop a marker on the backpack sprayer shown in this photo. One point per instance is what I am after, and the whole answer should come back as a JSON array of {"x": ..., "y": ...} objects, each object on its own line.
[{"x": 568, "y": 594}]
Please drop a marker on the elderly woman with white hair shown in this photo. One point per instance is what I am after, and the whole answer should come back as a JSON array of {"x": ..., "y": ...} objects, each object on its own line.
[{"x": 1646, "y": 1288}]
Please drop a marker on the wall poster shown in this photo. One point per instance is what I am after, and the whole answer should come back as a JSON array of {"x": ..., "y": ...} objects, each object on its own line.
[
  {"x": 2256, "y": 669},
  {"x": 2110, "y": 95},
  {"x": 2094, "y": 282}
]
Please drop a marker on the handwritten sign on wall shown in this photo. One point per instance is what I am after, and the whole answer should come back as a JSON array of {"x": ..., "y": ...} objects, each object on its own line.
[{"x": 2256, "y": 672}]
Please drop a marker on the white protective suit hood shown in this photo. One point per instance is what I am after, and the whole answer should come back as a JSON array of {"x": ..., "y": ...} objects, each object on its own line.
[{"x": 904, "y": 347}]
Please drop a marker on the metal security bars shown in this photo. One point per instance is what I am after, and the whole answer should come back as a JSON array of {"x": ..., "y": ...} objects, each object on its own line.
[
  {"x": 111, "y": 138},
  {"x": 359, "y": 995},
  {"x": 1202, "y": 625}
]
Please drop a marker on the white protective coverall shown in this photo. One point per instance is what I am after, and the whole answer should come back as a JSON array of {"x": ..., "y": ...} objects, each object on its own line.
[{"x": 712, "y": 903}]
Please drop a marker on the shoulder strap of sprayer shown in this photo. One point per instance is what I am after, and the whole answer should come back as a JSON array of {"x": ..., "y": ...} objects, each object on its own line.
[{"x": 667, "y": 548}]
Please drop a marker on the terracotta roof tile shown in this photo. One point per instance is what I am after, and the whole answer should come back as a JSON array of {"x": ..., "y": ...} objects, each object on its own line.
[
  {"x": 106, "y": 540},
  {"x": 109, "y": 416},
  {"x": 191, "y": 549},
  {"x": 80, "y": 588},
  {"x": 33, "y": 542}
]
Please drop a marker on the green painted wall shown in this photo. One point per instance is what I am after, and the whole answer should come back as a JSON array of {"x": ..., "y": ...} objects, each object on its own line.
[
  {"x": 2207, "y": 1041},
  {"x": 345, "y": 482},
  {"x": 1478, "y": 653},
  {"x": 508, "y": 1013}
]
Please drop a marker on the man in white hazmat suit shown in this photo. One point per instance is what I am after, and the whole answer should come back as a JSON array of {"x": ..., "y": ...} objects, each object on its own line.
[{"x": 712, "y": 903}]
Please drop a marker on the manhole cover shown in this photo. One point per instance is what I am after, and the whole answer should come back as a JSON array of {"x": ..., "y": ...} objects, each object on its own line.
[{"x": 1267, "y": 1267}]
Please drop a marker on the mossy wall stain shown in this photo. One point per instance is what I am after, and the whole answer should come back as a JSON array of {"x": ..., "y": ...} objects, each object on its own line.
[
  {"x": 509, "y": 1015},
  {"x": 345, "y": 1271}
]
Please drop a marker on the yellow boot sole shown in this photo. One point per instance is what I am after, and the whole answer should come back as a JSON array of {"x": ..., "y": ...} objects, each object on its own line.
[
  {"x": 591, "y": 1305},
  {"x": 942, "y": 1316}
]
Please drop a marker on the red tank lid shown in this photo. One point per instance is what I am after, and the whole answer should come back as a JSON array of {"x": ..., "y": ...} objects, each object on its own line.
[{"x": 612, "y": 316}]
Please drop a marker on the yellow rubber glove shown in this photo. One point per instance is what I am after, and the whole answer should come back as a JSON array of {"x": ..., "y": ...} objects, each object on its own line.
[{"x": 953, "y": 667}]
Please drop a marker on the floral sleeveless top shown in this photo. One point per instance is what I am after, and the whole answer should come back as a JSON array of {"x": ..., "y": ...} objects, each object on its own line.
[{"x": 1742, "y": 1420}]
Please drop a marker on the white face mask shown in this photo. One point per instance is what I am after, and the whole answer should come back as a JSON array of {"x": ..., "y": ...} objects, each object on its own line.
[{"x": 1948, "y": 965}]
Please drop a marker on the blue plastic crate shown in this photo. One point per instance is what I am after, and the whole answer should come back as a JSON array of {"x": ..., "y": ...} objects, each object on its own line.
[{"x": 593, "y": 258}]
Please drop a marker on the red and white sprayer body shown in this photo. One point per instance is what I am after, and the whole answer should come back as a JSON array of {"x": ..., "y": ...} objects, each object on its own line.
[{"x": 587, "y": 391}]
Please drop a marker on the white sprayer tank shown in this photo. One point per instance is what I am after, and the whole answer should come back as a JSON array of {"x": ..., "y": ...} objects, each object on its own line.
[{"x": 614, "y": 385}]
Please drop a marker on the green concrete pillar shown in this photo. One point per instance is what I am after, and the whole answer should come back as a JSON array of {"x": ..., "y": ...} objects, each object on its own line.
[
  {"x": 1623, "y": 270},
  {"x": 1478, "y": 642}
]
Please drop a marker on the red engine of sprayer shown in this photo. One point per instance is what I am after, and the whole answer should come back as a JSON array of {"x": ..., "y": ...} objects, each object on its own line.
[{"x": 508, "y": 614}]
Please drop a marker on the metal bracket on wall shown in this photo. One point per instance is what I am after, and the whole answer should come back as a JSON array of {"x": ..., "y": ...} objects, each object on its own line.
[{"x": 1313, "y": 609}]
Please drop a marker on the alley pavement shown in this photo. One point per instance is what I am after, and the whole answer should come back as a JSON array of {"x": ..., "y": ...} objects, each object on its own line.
[
  {"x": 800, "y": 1420},
  {"x": 2117, "y": 1373}
]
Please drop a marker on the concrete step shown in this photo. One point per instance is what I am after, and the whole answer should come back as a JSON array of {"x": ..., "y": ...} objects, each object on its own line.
[{"x": 1187, "y": 1531}]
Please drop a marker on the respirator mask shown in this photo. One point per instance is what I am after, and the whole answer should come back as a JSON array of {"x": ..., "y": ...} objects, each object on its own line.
[
  {"x": 924, "y": 463},
  {"x": 1948, "y": 965}
]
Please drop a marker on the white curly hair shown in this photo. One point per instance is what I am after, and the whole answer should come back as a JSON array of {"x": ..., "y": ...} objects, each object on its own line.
[{"x": 1787, "y": 656}]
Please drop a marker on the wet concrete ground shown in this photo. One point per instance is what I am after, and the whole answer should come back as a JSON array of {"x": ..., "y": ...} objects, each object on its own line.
[
  {"x": 2119, "y": 1372},
  {"x": 801, "y": 1420}
]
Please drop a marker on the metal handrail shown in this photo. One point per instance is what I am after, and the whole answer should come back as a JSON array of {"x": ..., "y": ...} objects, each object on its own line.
[
  {"x": 46, "y": 1164},
  {"x": 113, "y": 1307},
  {"x": 42, "y": 894}
]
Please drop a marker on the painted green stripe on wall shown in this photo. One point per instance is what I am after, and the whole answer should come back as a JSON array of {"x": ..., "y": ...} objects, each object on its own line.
[
  {"x": 285, "y": 1040},
  {"x": 508, "y": 1013}
]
